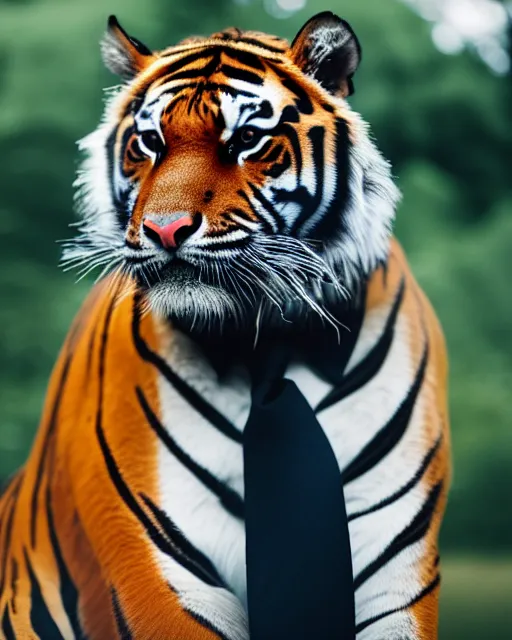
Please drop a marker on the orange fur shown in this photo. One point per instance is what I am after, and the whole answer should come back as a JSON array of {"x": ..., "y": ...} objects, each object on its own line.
[{"x": 102, "y": 542}]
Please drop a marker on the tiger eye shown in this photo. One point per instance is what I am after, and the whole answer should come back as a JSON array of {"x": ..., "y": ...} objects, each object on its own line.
[
  {"x": 151, "y": 140},
  {"x": 247, "y": 135}
]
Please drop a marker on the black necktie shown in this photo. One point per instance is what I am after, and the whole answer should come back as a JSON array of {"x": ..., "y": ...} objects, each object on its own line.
[{"x": 299, "y": 569}]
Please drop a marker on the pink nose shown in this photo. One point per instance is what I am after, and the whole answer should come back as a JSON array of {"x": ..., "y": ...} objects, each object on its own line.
[{"x": 168, "y": 235}]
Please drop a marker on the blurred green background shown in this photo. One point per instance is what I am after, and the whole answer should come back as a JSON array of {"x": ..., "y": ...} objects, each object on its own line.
[{"x": 445, "y": 121}]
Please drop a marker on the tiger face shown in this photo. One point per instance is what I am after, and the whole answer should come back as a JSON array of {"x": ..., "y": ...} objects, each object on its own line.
[{"x": 230, "y": 177}]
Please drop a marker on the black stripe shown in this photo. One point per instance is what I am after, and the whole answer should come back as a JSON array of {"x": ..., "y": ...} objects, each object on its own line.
[
  {"x": 264, "y": 110},
  {"x": 286, "y": 129},
  {"x": 118, "y": 481},
  {"x": 268, "y": 206},
  {"x": 199, "y": 53},
  {"x": 132, "y": 107},
  {"x": 68, "y": 590},
  {"x": 390, "y": 435},
  {"x": 365, "y": 371},
  {"x": 126, "y": 494},
  {"x": 167, "y": 72},
  {"x": 262, "y": 45},
  {"x": 229, "y": 499},
  {"x": 103, "y": 352},
  {"x": 122, "y": 194},
  {"x": 240, "y": 213},
  {"x": 290, "y": 114},
  {"x": 188, "y": 393},
  {"x": 7, "y": 629},
  {"x": 425, "y": 592},
  {"x": 226, "y": 88},
  {"x": 241, "y": 74},
  {"x": 40, "y": 617},
  {"x": 172, "y": 52},
  {"x": 201, "y": 87},
  {"x": 270, "y": 152},
  {"x": 196, "y": 97},
  {"x": 178, "y": 539},
  {"x": 267, "y": 227},
  {"x": 303, "y": 101},
  {"x": 110, "y": 144},
  {"x": 333, "y": 219},
  {"x": 215, "y": 249},
  {"x": 152, "y": 532},
  {"x": 245, "y": 58},
  {"x": 316, "y": 136},
  {"x": 34, "y": 507},
  {"x": 414, "y": 532},
  {"x": 8, "y": 489},
  {"x": 174, "y": 91},
  {"x": 203, "y": 71},
  {"x": 405, "y": 489},
  {"x": 174, "y": 101},
  {"x": 221, "y": 234},
  {"x": 123, "y": 144},
  {"x": 189, "y": 74},
  {"x": 277, "y": 169},
  {"x": 308, "y": 203},
  {"x": 123, "y": 627},
  {"x": 208, "y": 86},
  {"x": 8, "y": 531},
  {"x": 6, "y": 486},
  {"x": 119, "y": 200},
  {"x": 14, "y": 583}
]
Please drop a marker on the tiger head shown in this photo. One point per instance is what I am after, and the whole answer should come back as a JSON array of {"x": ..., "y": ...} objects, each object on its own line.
[{"x": 230, "y": 177}]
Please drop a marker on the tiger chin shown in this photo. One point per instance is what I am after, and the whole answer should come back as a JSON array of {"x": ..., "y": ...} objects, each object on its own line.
[{"x": 233, "y": 200}]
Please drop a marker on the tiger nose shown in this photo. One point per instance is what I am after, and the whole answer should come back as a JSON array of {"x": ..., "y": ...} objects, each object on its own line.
[{"x": 173, "y": 234}]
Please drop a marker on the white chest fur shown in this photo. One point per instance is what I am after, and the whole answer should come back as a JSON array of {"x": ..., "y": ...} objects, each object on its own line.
[{"x": 349, "y": 424}]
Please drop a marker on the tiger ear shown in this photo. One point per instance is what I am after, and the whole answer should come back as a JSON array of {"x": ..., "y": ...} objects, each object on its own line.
[
  {"x": 122, "y": 54},
  {"x": 327, "y": 49}
]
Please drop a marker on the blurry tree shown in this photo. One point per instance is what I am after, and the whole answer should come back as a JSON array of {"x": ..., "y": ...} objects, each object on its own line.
[{"x": 195, "y": 17}]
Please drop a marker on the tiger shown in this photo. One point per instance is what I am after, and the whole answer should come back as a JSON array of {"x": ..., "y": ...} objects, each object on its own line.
[{"x": 230, "y": 195}]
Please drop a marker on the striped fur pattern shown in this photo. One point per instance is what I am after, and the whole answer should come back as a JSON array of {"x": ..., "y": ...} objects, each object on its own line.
[
  {"x": 128, "y": 519},
  {"x": 292, "y": 192}
]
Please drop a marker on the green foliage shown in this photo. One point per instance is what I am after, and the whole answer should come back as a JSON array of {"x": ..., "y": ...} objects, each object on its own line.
[
  {"x": 445, "y": 122},
  {"x": 475, "y": 599}
]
